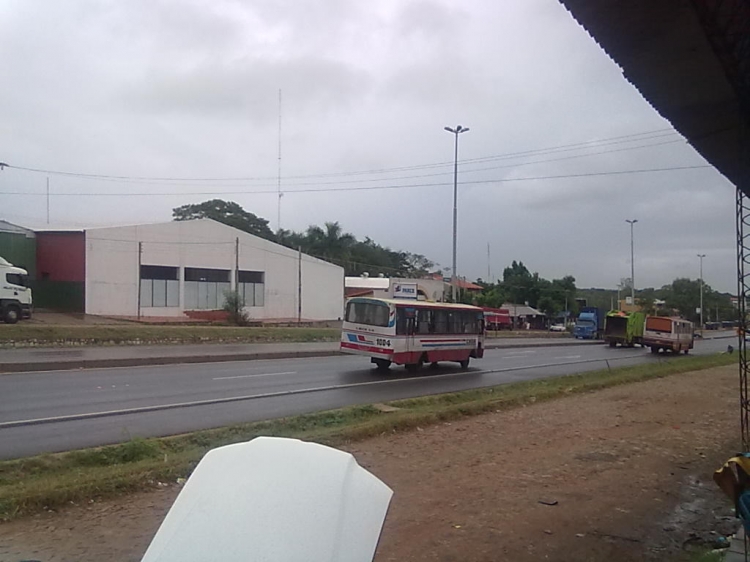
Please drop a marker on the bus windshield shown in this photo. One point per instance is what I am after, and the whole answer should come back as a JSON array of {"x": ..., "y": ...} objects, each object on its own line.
[{"x": 367, "y": 313}]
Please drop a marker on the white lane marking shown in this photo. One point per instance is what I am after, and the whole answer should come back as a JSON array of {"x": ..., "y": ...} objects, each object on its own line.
[
  {"x": 256, "y": 375},
  {"x": 568, "y": 357},
  {"x": 229, "y": 399}
]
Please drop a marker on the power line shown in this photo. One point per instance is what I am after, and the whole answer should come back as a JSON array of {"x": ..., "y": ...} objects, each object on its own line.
[
  {"x": 361, "y": 188},
  {"x": 647, "y": 135},
  {"x": 469, "y": 171}
]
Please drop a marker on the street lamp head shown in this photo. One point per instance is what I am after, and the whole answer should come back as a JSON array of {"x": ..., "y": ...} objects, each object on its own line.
[
  {"x": 701, "y": 255},
  {"x": 457, "y": 130},
  {"x": 631, "y": 222}
]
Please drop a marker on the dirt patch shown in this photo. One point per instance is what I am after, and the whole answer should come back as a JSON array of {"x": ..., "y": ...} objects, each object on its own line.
[{"x": 627, "y": 472}]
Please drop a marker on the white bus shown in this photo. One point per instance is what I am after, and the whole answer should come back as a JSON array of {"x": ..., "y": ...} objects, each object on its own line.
[
  {"x": 412, "y": 333},
  {"x": 669, "y": 334}
]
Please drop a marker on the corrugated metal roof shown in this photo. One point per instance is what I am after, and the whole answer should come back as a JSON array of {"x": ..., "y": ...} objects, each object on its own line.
[
  {"x": 689, "y": 62},
  {"x": 521, "y": 310}
]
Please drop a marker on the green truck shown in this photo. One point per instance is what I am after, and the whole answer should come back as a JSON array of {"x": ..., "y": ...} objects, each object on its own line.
[{"x": 625, "y": 328}]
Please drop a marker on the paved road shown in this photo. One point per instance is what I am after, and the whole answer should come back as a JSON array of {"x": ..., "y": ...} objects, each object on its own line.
[{"x": 61, "y": 410}]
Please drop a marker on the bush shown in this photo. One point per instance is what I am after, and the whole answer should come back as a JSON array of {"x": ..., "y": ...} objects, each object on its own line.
[{"x": 234, "y": 304}]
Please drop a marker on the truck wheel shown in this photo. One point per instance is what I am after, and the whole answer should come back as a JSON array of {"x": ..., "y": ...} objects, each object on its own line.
[
  {"x": 654, "y": 349},
  {"x": 11, "y": 315},
  {"x": 613, "y": 344}
]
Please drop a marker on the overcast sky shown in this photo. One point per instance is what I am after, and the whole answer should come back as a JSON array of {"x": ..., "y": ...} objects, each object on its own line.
[{"x": 189, "y": 89}]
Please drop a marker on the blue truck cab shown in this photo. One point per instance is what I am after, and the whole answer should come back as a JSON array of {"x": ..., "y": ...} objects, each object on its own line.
[{"x": 589, "y": 324}]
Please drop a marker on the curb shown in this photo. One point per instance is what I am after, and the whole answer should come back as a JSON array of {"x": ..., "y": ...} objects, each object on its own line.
[{"x": 9, "y": 368}]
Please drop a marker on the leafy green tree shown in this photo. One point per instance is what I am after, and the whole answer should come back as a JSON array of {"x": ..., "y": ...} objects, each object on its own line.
[
  {"x": 683, "y": 295},
  {"x": 226, "y": 212},
  {"x": 417, "y": 265},
  {"x": 519, "y": 283}
]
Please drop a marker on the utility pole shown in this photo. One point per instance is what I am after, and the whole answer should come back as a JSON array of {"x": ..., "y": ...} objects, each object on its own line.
[
  {"x": 701, "y": 256},
  {"x": 140, "y": 259},
  {"x": 632, "y": 261},
  {"x": 489, "y": 273},
  {"x": 299, "y": 285},
  {"x": 457, "y": 131}
]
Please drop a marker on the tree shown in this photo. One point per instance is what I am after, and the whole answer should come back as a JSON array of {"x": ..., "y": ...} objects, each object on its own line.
[
  {"x": 519, "y": 283},
  {"x": 226, "y": 212},
  {"x": 330, "y": 242},
  {"x": 417, "y": 265}
]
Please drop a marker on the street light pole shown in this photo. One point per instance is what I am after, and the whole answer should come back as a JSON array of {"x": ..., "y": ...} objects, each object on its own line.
[
  {"x": 457, "y": 131},
  {"x": 632, "y": 262},
  {"x": 701, "y": 256}
]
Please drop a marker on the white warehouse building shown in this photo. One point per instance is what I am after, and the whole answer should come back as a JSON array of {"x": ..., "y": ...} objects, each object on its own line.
[{"x": 183, "y": 266}]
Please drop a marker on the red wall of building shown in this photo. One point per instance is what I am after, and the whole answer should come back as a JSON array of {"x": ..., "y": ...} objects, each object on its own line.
[{"x": 61, "y": 256}]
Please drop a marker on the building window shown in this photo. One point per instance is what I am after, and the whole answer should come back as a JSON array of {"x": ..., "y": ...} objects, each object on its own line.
[
  {"x": 160, "y": 286},
  {"x": 205, "y": 289},
  {"x": 251, "y": 287}
]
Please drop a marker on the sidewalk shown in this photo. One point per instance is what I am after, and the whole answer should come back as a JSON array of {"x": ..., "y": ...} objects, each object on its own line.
[{"x": 49, "y": 359}]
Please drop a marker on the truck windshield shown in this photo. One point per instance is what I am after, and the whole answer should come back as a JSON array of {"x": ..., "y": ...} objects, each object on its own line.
[
  {"x": 16, "y": 279},
  {"x": 585, "y": 323}
]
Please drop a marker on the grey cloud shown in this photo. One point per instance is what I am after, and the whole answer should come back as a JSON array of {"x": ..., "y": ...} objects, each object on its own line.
[{"x": 248, "y": 87}]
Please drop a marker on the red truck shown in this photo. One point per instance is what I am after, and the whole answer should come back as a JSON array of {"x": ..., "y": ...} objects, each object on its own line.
[{"x": 497, "y": 319}]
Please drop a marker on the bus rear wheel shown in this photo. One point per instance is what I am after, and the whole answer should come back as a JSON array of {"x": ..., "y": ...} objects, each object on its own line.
[
  {"x": 382, "y": 364},
  {"x": 411, "y": 367}
]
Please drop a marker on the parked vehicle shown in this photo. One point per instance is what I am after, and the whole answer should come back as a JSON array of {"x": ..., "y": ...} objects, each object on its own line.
[
  {"x": 668, "y": 334},
  {"x": 412, "y": 333},
  {"x": 497, "y": 319},
  {"x": 557, "y": 328},
  {"x": 589, "y": 324},
  {"x": 625, "y": 328},
  {"x": 15, "y": 294}
]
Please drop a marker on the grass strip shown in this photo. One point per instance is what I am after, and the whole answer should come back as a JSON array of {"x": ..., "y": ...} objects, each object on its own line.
[
  {"x": 51, "y": 481},
  {"x": 28, "y": 335}
]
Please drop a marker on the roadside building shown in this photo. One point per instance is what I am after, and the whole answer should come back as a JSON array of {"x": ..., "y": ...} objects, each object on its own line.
[
  {"x": 177, "y": 269},
  {"x": 429, "y": 289},
  {"x": 526, "y": 316}
]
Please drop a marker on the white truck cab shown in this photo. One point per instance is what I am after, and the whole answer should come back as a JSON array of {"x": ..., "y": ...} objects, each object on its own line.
[{"x": 15, "y": 294}]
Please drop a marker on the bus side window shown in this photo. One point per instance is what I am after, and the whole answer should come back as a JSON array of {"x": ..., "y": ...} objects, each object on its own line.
[
  {"x": 424, "y": 321},
  {"x": 441, "y": 322},
  {"x": 401, "y": 324}
]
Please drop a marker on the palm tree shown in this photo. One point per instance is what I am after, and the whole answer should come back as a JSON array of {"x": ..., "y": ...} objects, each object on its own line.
[{"x": 332, "y": 243}]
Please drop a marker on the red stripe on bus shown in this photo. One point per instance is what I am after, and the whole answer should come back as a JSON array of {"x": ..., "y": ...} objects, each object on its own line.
[{"x": 367, "y": 348}]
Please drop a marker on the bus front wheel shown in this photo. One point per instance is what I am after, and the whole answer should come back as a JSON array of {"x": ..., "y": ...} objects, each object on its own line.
[{"x": 465, "y": 363}]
